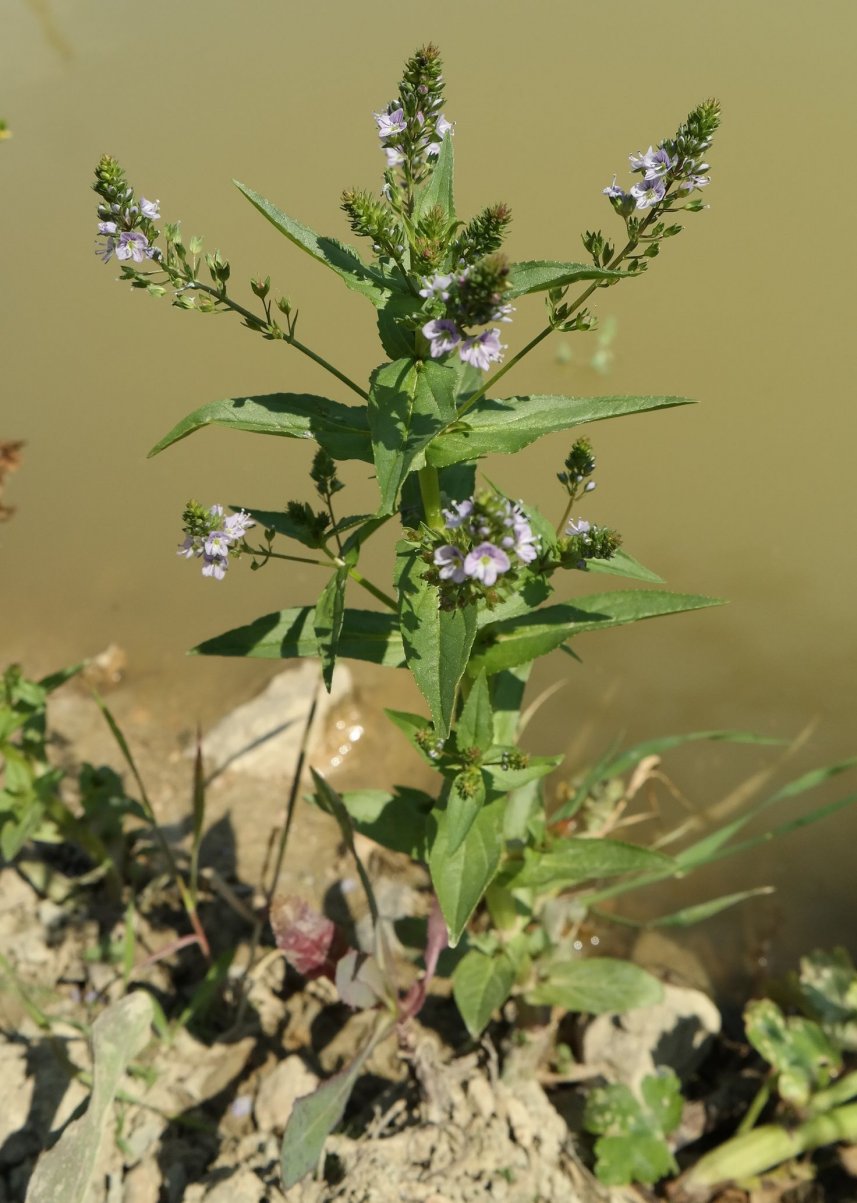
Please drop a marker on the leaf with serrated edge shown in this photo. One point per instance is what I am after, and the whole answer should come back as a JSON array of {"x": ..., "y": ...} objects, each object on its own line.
[
  {"x": 327, "y": 622},
  {"x": 437, "y": 642},
  {"x": 539, "y": 275},
  {"x": 407, "y": 408},
  {"x": 343, "y": 430},
  {"x": 505, "y": 426},
  {"x": 460, "y": 879},
  {"x": 339, "y": 257},
  {"x": 475, "y": 727},
  {"x": 598, "y": 985},
  {"x": 314, "y": 1116},
  {"x": 437, "y": 190},
  {"x": 65, "y": 1171},
  {"x": 288, "y": 634},
  {"x": 480, "y": 986},
  {"x": 519, "y": 640}
]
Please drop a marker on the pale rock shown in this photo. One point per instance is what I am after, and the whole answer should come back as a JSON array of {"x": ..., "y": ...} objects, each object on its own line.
[
  {"x": 143, "y": 1183},
  {"x": 242, "y": 1187},
  {"x": 263, "y": 737},
  {"x": 676, "y": 1032},
  {"x": 279, "y": 1089}
]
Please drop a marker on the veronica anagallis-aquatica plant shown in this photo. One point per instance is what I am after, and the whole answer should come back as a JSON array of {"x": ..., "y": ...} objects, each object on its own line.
[{"x": 479, "y": 586}]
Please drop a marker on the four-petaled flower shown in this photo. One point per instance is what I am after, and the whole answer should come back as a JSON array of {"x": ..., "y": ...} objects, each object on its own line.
[
  {"x": 436, "y": 286},
  {"x": 654, "y": 163},
  {"x": 212, "y": 537},
  {"x": 482, "y": 350},
  {"x": 443, "y": 334},
  {"x": 450, "y": 561},
  {"x": 150, "y": 209},
  {"x": 390, "y": 124},
  {"x": 132, "y": 244},
  {"x": 649, "y": 192},
  {"x": 486, "y": 562},
  {"x": 580, "y": 527}
]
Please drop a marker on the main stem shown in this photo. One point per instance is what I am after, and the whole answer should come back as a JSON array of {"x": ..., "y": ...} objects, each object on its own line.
[{"x": 430, "y": 494}]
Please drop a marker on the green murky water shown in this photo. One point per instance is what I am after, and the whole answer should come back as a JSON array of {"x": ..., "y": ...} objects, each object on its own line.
[{"x": 747, "y": 497}]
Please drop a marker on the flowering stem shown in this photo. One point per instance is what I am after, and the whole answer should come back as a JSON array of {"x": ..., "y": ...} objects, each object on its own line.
[
  {"x": 256, "y": 323},
  {"x": 561, "y": 527},
  {"x": 430, "y": 494},
  {"x": 618, "y": 258},
  {"x": 278, "y": 555}
]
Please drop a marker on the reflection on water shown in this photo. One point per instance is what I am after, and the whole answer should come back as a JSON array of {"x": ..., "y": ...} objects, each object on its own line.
[{"x": 747, "y": 497}]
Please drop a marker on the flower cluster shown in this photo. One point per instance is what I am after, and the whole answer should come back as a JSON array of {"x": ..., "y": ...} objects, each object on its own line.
[
  {"x": 585, "y": 541},
  {"x": 213, "y": 536},
  {"x": 125, "y": 224},
  {"x": 472, "y": 297},
  {"x": 412, "y": 127},
  {"x": 676, "y": 161},
  {"x": 488, "y": 540}
]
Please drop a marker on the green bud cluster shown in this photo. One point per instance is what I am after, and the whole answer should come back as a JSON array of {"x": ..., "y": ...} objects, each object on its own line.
[
  {"x": 431, "y": 241},
  {"x": 483, "y": 235},
  {"x": 479, "y": 294},
  {"x": 599, "y": 543},
  {"x": 695, "y": 135},
  {"x": 599, "y": 247},
  {"x": 468, "y": 783},
  {"x": 579, "y": 463},
  {"x": 323, "y": 475},
  {"x": 197, "y": 521},
  {"x": 111, "y": 184},
  {"x": 312, "y": 523},
  {"x": 371, "y": 218}
]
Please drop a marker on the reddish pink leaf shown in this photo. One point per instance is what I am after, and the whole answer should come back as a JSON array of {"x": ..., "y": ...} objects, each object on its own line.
[{"x": 309, "y": 940}]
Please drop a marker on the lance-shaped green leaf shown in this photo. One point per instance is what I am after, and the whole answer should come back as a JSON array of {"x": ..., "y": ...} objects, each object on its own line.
[
  {"x": 412, "y": 726},
  {"x": 289, "y": 634},
  {"x": 539, "y": 275},
  {"x": 396, "y": 338},
  {"x": 65, "y": 1171},
  {"x": 327, "y": 622},
  {"x": 460, "y": 879},
  {"x": 336, "y": 255},
  {"x": 314, "y": 1116},
  {"x": 409, "y": 403},
  {"x": 466, "y": 799},
  {"x": 503, "y": 779},
  {"x": 518, "y": 640},
  {"x": 476, "y": 723},
  {"x": 343, "y": 430},
  {"x": 494, "y": 426},
  {"x": 437, "y": 642},
  {"x": 622, "y": 563},
  {"x": 480, "y": 986},
  {"x": 596, "y": 985},
  {"x": 572, "y": 861},
  {"x": 507, "y": 696},
  {"x": 437, "y": 190}
]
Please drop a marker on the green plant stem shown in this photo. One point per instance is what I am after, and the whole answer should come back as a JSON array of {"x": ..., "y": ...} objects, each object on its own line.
[
  {"x": 430, "y": 494},
  {"x": 256, "y": 323},
  {"x": 278, "y": 555},
  {"x": 756, "y": 1107}
]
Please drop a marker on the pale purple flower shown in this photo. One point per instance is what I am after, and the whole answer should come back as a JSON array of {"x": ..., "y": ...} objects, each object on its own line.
[
  {"x": 443, "y": 335},
  {"x": 614, "y": 191},
  {"x": 390, "y": 124},
  {"x": 433, "y": 150},
  {"x": 458, "y": 514},
  {"x": 442, "y": 127},
  {"x": 525, "y": 543},
  {"x": 395, "y": 157},
  {"x": 648, "y": 193},
  {"x": 653, "y": 164},
  {"x": 215, "y": 566},
  {"x": 132, "y": 244},
  {"x": 580, "y": 527},
  {"x": 150, "y": 209},
  {"x": 486, "y": 562},
  {"x": 450, "y": 561},
  {"x": 216, "y": 545},
  {"x": 188, "y": 549},
  {"x": 235, "y": 526},
  {"x": 482, "y": 350},
  {"x": 106, "y": 248},
  {"x": 695, "y": 181},
  {"x": 436, "y": 286}
]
